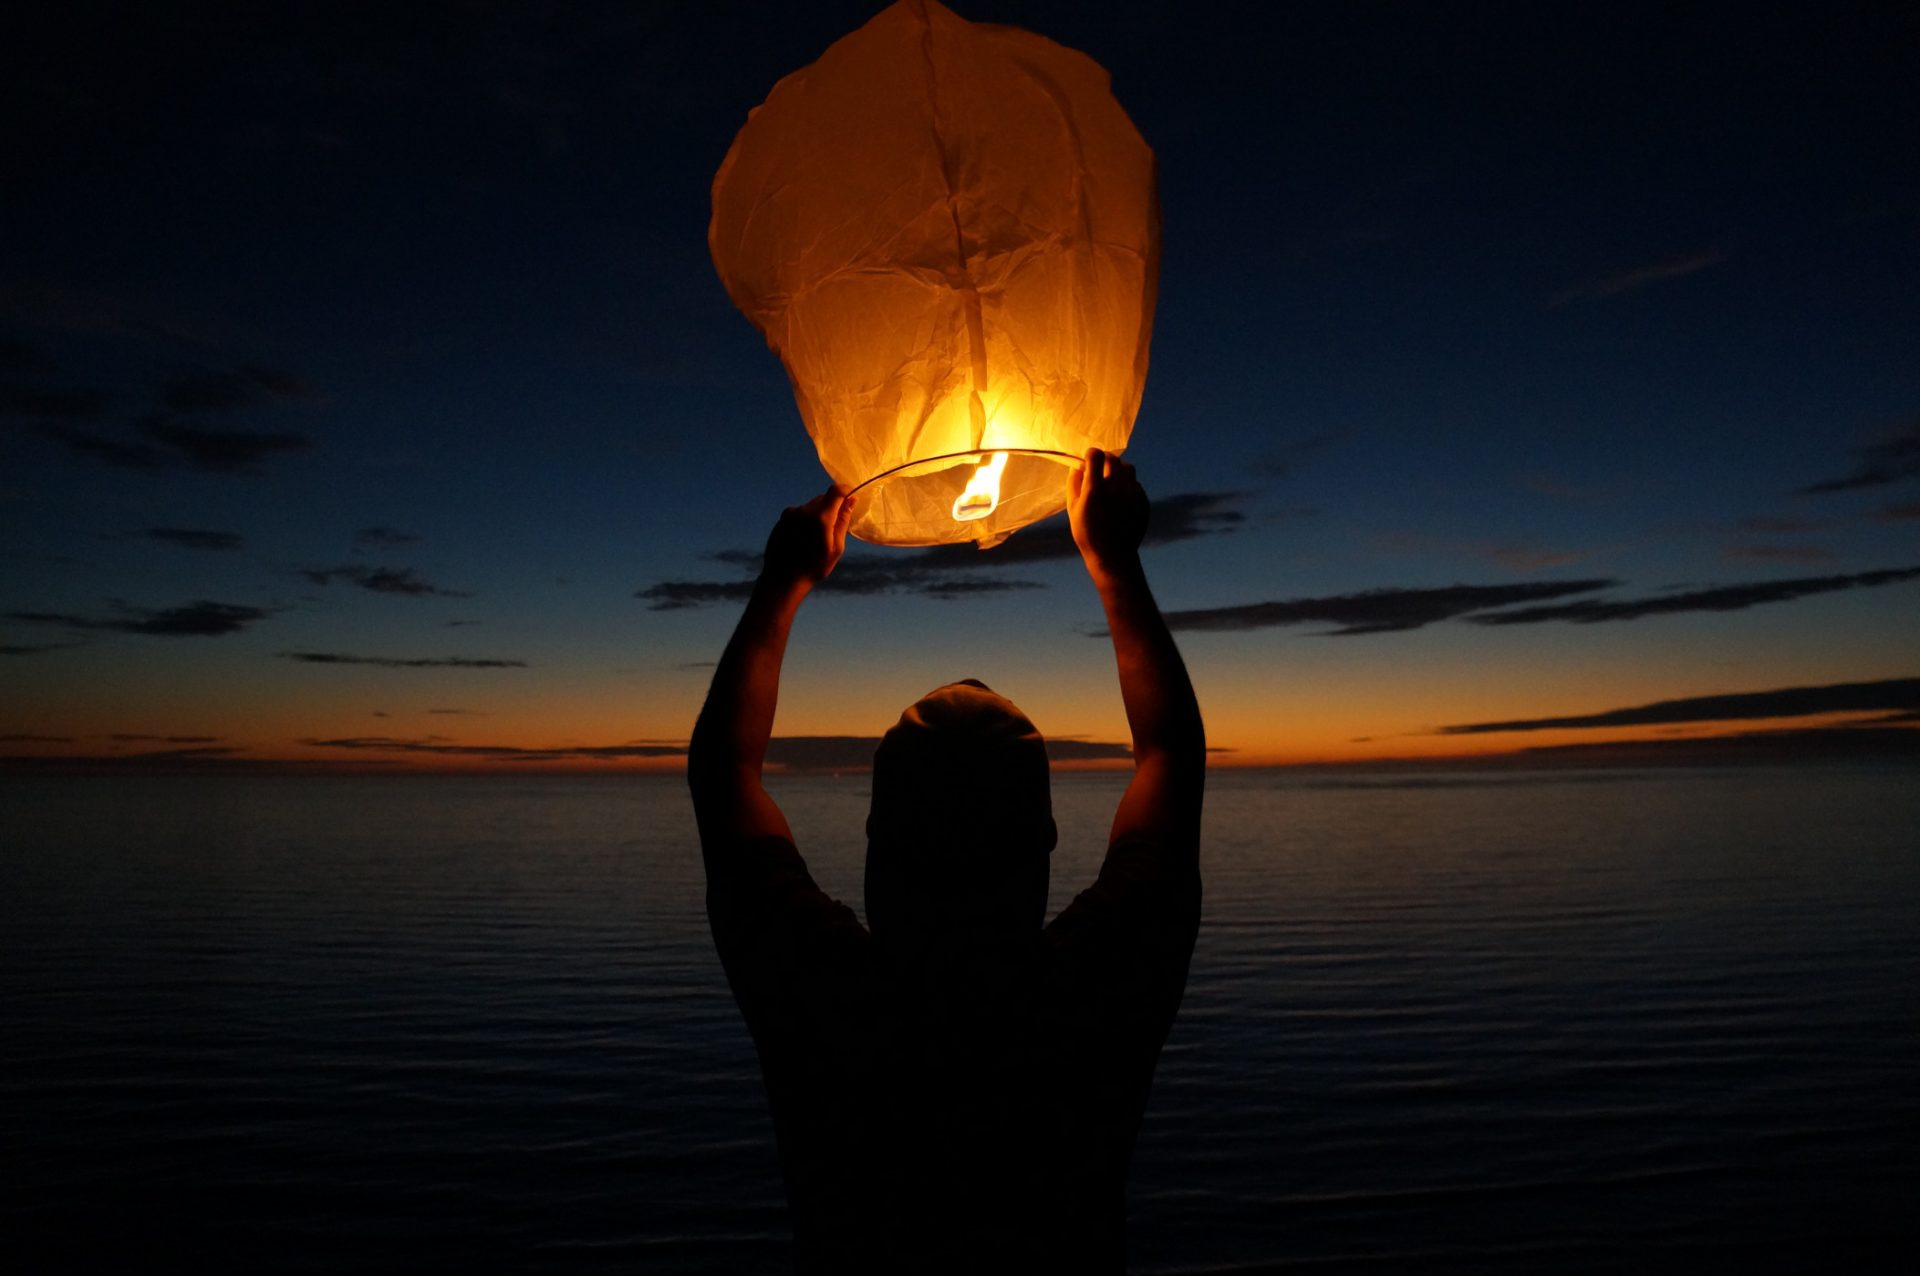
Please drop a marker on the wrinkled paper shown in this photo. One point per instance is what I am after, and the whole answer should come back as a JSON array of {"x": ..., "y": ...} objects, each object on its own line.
[{"x": 949, "y": 234}]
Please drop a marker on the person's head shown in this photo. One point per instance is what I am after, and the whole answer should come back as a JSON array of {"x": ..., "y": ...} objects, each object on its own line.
[{"x": 961, "y": 826}]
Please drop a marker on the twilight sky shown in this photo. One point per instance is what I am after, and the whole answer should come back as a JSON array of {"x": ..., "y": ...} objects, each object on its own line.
[{"x": 1527, "y": 375}]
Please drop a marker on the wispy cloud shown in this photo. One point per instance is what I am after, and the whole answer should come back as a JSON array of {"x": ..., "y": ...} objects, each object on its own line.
[
  {"x": 400, "y": 662},
  {"x": 1376, "y": 611},
  {"x": 382, "y": 580},
  {"x": 1678, "y": 266},
  {"x": 1525, "y": 558},
  {"x": 1786, "y": 702},
  {"x": 224, "y": 451},
  {"x": 1780, "y": 554},
  {"x": 34, "y": 648},
  {"x": 1717, "y": 598},
  {"x": 1287, "y": 460},
  {"x": 1765, "y": 525},
  {"x": 953, "y": 571},
  {"x": 50, "y": 405},
  {"x": 132, "y": 737},
  {"x": 496, "y": 752},
  {"x": 192, "y": 538},
  {"x": 200, "y": 618},
  {"x": 1905, "y": 512},
  {"x": 383, "y": 538},
  {"x": 208, "y": 392},
  {"x": 1891, "y": 460},
  {"x": 169, "y": 445},
  {"x": 172, "y": 435}
]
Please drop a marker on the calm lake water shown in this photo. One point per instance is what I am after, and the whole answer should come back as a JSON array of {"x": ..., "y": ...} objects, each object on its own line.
[{"x": 1603, "y": 1021}]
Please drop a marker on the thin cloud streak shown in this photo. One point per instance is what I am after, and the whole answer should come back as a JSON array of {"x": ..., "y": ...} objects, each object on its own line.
[
  {"x": 193, "y": 538},
  {"x": 200, "y": 618},
  {"x": 1879, "y": 464},
  {"x": 951, "y": 571},
  {"x": 382, "y": 580},
  {"x": 1894, "y": 695},
  {"x": 1678, "y": 266},
  {"x": 1375, "y": 611},
  {"x": 1718, "y": 598},
  {"x": 400, "y": 662},
  {"x": 498, "y": 752}
]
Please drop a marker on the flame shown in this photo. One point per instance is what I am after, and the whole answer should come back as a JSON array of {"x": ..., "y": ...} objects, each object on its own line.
[{"x": 982, "y": 496}]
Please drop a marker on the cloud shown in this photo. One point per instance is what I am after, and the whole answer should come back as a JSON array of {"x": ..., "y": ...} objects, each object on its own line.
[
  {"x": 1767, "y": 526},
  {"x": 192, "y": 537},
  {"x": 1717, "y": 598},
  {"x": 36, "y": 739},
  {"x": 459, "y": 713},
  {"x": 180, "y": 447},
  {"x": 382, "y": 580},
  {"x": 679, "y": 595},
  {"x": 1525, "y": 558},
  {"x": 108, "y": 451},
  {"x": 50, "y": 405},
  {"x": 400, "y": 662},
  {"x": 1677, "y": 266},
  {"x": 201, "y": 392},
  {"x": 34, "y": 648},
  {"x": 1781, "y": 554},
  {"x": 1787, "y": 702},
  {"x": 1889, "y": 461},
  {"x": 1906, "y": 512},
  {"x": 1287, "y": 460},
  {"x": 1375, "y": 611},
  {"x": 383, "y": 537},
  {"x": 951, "y": 571},
  {"x": 196, "y": 619},
  {"x": 222, "y": 451},
  {"x": 129, "y": 737},
  {"x": 1792, "y": 745},
  {"x": 498, "y": 752}
]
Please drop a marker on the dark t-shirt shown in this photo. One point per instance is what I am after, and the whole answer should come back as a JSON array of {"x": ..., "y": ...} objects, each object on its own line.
[{"x": 958, "y": 1111}]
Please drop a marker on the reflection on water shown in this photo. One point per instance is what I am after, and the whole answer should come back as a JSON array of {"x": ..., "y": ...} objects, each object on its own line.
[{"x": 1555, "y": 1022}]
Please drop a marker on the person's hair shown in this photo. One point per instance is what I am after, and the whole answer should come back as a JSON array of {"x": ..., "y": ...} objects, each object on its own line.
[{"x": 962, "y": 819}]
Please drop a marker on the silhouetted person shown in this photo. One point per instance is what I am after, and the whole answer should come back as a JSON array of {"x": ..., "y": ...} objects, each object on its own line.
[{"x": 957, "y": 1089}]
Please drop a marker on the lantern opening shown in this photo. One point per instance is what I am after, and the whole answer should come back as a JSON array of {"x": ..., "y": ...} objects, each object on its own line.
[{"x": 982, "y": 496}]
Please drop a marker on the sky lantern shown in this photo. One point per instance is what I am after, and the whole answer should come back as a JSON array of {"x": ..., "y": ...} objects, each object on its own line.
[{"x": 948, "y": 232}]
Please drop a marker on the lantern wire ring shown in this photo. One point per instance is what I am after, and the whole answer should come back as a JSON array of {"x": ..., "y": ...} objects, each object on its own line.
[{"x": 949, "y": 456}]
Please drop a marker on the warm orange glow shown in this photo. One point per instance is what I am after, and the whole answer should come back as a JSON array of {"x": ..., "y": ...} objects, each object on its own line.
[
  {"x": 949, "y": 234},
  {"x": 982, "y": 496}
]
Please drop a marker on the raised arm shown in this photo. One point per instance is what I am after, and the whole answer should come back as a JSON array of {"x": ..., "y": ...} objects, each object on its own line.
[
  {"x": 729, "y": 746},
  {"x": 1108, "y": 511}
]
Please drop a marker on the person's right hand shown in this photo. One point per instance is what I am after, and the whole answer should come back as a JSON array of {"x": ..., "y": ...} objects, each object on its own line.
[
  {"x": 1107, "y": 509},
  {"x": 807, "y": 542}
]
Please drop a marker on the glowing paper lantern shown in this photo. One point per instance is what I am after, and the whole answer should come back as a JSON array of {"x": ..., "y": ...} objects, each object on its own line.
[{"x": 948, "y": 232}]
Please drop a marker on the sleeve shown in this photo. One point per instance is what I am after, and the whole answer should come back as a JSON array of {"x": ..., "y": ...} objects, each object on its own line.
[
  {"x": 1136, "y": 925},
  {"x": 771, "y": 923}
]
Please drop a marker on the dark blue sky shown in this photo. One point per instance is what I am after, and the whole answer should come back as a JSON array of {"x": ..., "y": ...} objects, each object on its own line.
[{"x": 388, "y": 332}]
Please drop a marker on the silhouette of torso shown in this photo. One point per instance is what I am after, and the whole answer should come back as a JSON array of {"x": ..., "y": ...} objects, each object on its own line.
[{"x": 963, "y": 1108}]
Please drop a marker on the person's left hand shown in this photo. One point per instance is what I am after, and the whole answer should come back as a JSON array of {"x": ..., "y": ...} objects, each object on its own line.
[{"x": 807, "y": 542}]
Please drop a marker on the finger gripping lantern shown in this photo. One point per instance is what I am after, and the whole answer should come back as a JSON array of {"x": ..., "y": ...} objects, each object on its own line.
[{"x": 949, "y": 234}]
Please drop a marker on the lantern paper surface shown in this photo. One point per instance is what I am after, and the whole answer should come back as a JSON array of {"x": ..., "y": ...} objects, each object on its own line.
[{"x": 948, "y": 232}]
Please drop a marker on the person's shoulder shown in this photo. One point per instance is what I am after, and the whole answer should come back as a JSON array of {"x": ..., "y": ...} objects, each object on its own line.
[
  {"x": 760, "y": 884},
  {"x": 1145, "y": 888}
]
